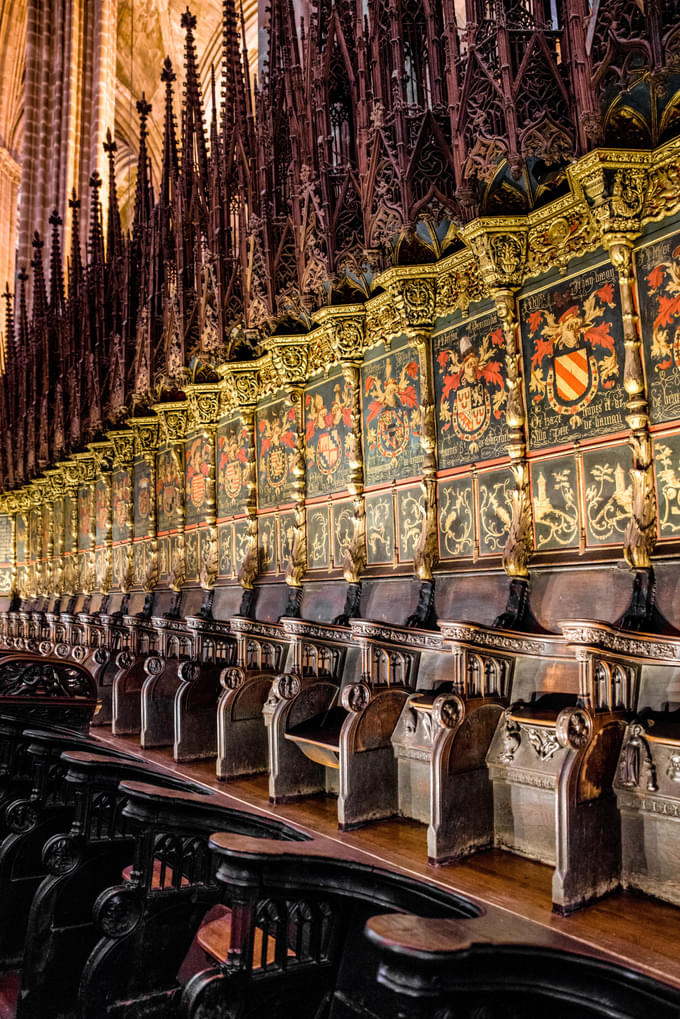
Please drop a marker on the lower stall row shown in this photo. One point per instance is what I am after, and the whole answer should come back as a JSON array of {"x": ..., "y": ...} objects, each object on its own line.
[
  {"x": 562, "y": 748},
  {"x": 128, "y": 891}
]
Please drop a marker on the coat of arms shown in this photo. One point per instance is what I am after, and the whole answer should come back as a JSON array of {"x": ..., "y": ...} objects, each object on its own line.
[
  {"x": 391, "y": 408},
  {"x": 472, "y": 387},
  {"x": 276, "y": 452},
  {"x": 565, "y": 365},
  {"x": 232, "y": 466},
  {"x": 329, "y": 440}
]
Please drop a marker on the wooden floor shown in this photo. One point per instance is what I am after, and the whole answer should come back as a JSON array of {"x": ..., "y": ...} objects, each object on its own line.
[{"x": 630, "y": 929}]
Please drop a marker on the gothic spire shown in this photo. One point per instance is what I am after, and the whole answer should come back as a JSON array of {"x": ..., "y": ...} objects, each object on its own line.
[
  {"x": 39, "y": 288},
  {"x": 56, "y": 267},
  {"x": 170, "y": 170},
  {"x": 194, "y": 150},
  {"x": 114, "y": 233},
  {"x": 143, "y": 193},
  {"x": 75, "y": 267}
]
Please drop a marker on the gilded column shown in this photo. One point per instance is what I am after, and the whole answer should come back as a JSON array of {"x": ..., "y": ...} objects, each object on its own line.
[
  {"x": 615, "y": 185},
  {"x": 103, "y": 460},
  {"x": 71, "y": 475},
  {"x": 204, "y": 408},
  {"x": 123, "y": 443},
  {"x": 174, "y": 417},
  {"x": 146, "y": 430},
  {"x": 290, "y": 359},
  {"x": 501, "y": 251},
  {"x": 86, "y": 526},
  {"x": 241, "y": 386}
]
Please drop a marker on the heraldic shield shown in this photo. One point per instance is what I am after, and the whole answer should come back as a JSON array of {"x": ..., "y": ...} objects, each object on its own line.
[
  {"x": 471, "y": 411},
  {"x": 573, "y": 379}
]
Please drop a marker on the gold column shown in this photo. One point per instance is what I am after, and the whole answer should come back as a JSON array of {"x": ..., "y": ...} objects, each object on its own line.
[
  {"x": 174, "y": 417},
  {"x": 204, "y": 408},
  {"x": 146, "y": 431}
]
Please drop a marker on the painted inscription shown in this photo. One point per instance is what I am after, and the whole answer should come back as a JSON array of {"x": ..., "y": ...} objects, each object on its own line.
[
  {"x": 233, "y": 448},
  {"x": 658, "y": 274},
  {"x": 329, "y": 440},
  {"x": 469, "y": 378},
  {"x": 573, "y": 359},
  {"x": 391, "y": 416},
  {"x": 276, "y": 440}
]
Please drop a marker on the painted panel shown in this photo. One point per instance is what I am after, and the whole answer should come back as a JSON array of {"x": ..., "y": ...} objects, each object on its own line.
[
  {"x": 266, "y": 536},
  {"x": 121, "y": 490},
  {"x": 169, "y": 489},
  {"x": 286, "y": 536},
  {"x": 85, "y": 518},
  {"x": 495, "y": 510},
  {"x": 199, "y": 495},
  {"x": 191, "y": 554},
  {"x": 667, "y": 462},
  {"x": 276, "y": 438},
  {"x": 390, "y": 392},
  {"x": 142, "y": 477},
  {"x": 379, "y": 529},
  {"x": 329, "y": 441},
  {"x": 240, "y": 543},
  {"x": 225, "y": 550},
  {"x": 456, "y": 518},
  {"x": 608, "y": 494},
  {"x": 658, "y": 275},
  {"x": 119, "y": 563},
  {"x": 138, "y": 569},
  {"x": 22, "y": 538},
  {"x": 318, "y": 538},
  {"x": 35, "y": 533},
  {"x": 46, "y": 531},
  {"x": 101, "y": 496},
  {"x": 100, "y": 565},
  {"x": 233, "y": 450},
  {"x": 572, "y": 337},
  {"x": 175, "y": 546},
  {"x": 163, "y": 559},
  {"x": 469, "y": 379},
  {"x": 69, "y": 513},
  {"x": 343, "y": 530},
  {"x": 58, "y": 527},
  {"x": 409, "y": 521},
  {"x": 6, "y": 553},
  {"x": 554, "y": 489}
]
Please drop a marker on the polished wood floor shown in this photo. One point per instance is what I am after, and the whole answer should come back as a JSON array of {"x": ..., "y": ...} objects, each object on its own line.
[{"x": 627, "y": 928}]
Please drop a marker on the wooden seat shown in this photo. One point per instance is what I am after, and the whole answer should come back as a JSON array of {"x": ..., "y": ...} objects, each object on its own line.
[
  {"x": 214, "y": 937},
  {"x": 319, "y": 737},
  {"x": 162, "y": 878}
]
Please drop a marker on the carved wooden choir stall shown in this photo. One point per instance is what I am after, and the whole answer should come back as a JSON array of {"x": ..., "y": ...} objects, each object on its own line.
[{"x": 342, "y": 491}]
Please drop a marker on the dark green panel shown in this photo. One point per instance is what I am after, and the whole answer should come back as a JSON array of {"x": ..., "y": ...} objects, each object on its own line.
[
  {"x": 379, "y": 529},
  {"x": 343, "y": 530},
  {"x": 329, "y": 441},
  {"x": 191, "y": 554},
  {"x": 143, "y": 494},
  {"x": 456, "y": 518},
  {"x": 225, "y": 549},
  {"x": 198, "y": 453},
  {"x": 390, "y": 399},
  {"x": 286, "y": 536},
  {"x": 121, "y": 489},
  {"x": 318, "y": 538},
  {"x": 495, "y": 510},
  {"x": 266, "y": 536},
  {"x": 572, "y": 337},
  {"x": 469, "y": 379},
  {"x": 608, "y": 494},
  {"x": 169, "y": 489},
  {"x": 233, "y": 453},
  {"x": 658, "y": 276},
  {"x": 554, "y": 488},
  {"x": 276, "y": 440},
  {"x": 101, "y": 496},
  {"x": 667, "y": 464},
  {"x": 240, "y": 543},
  {"x": 163, "y": 558},
  {"x": 410, "y": 520}
]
